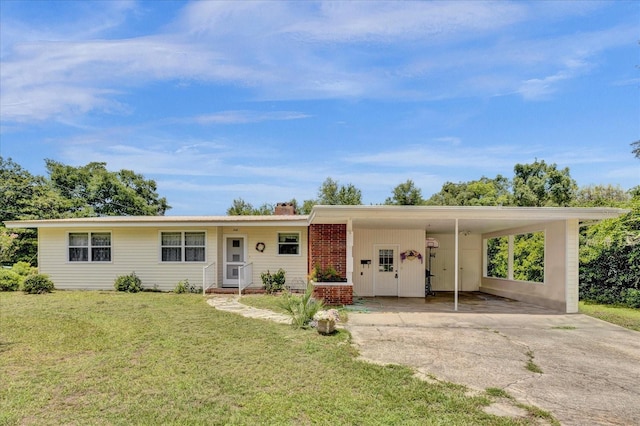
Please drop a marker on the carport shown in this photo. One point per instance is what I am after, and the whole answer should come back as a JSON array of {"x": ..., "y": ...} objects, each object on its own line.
[{"x": 379, "y": 239}]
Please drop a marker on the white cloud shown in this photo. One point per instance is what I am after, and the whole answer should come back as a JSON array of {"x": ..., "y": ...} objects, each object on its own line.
[
  {"x": 287, "y": 50},
  {"x": 243, "y": 117}
]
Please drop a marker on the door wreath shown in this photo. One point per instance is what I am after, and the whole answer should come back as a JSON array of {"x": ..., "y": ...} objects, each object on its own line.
[{"x": 260, "y": 247}]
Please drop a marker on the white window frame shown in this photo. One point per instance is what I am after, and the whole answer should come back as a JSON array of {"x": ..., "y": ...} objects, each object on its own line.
[
  {"x": 89, "y": 247},
  {"x": 278, "y": 243},
  {"x": 183, "y": 246}
]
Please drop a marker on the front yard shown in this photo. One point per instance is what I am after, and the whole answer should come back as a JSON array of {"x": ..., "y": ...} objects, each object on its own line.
[{"x": 159, "y": 358}]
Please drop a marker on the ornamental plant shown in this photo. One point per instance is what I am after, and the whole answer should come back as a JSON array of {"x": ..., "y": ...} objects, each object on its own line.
[
  {"x": 327, "y": 315},
  {"x": 37, "y": 284},
  {"x": 129, "y": 283},
  {"x": 273, "y": 282}
]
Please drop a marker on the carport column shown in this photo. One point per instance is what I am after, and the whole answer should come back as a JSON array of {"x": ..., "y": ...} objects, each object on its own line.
[
  {"x": 455, "y": 268},
  {"x": 349, "y": 251}
]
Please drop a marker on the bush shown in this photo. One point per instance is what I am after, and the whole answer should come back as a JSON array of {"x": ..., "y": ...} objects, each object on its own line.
[
  {"x": 273, "y": 282},
  {"x": 326, "y": 275},
  {"x": 301, "y": 309},
  {"x": 185, "y": 287},
  {"x": 24, "y": 269},
  {"x": 129, "y": 283},
  {"x": 9, "y": 280},
  {"x": 37, "y": 284},
  {"x": 632, "y": 298}
]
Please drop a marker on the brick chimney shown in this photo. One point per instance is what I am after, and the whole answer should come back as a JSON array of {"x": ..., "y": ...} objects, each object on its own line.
[{"x": 284, "y": 209}]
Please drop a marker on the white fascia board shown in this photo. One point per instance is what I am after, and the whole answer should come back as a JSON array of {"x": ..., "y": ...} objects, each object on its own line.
[
  {"x": 147, "y": 221},
  {"x": 322, "y": 214}
]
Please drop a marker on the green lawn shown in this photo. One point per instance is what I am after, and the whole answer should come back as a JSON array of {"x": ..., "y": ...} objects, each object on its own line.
[
  {"x": 99, "y": 358},
  {"x": 625, "y": 317}
]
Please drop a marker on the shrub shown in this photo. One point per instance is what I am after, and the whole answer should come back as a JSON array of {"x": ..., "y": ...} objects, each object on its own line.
[
  {"x": 129, "y": 283},
  {"x": 301, "y": 309},
  {"x": 9, "y": 280},
  {"x": 37, "y": 284},
  {"x": 632, "y": 298},
  {"x": 326, "y": 275},
  {"x": 24, "y": 269},
  {"x": 185, "y": 287},
  {"x": 273, "y": 282}
]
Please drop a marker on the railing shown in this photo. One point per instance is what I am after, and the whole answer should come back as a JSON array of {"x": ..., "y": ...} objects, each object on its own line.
[
  {"x": 209, "y": 277},
  {"x": 245, "y": 277}
]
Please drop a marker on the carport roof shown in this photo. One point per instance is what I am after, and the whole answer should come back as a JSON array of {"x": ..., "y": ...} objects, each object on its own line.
[{"x": 441, "y": 219}]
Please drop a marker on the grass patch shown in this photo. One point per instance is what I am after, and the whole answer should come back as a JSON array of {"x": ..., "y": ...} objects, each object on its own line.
[
  {"x": 263, "y": 301},
  {"x": 622, "y": 316},
  {"x": 532, "y": 366},
  {"x": 535, "y": 412},
  {"x": 160, "y": 358}
]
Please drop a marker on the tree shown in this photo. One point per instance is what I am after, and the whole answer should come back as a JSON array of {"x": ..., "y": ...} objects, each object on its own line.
[
  {"x": 636, "y": 148},
  {"x": 68, "y": 192},
  {"x": 93, "y": 190},
  {"x": 242, "y": 208},
  {"x": 482, "y": 192},
  {"x": 540, "y": 185},
  {"x": 331, "y": 193},
  {"x": 406, "y": 194},
  {"x": 601, "y": 196}
]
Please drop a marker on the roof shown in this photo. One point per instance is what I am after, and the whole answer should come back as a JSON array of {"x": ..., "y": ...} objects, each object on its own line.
[
  {"x": 441, "y": 219},
  {"x": 434, "y": 219},
  {"x": 162, "y": 221}
]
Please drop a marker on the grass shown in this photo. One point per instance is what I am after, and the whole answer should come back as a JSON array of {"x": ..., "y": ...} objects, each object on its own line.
[
  {"x": 105, "y": 358},
  {"x": 624, "y": 317},
  {"x": 532, "y": 366},
  {"x": 499, "y": 393}
]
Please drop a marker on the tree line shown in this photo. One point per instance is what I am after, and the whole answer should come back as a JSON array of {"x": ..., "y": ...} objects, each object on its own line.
[{"x": 67, "y": 192}]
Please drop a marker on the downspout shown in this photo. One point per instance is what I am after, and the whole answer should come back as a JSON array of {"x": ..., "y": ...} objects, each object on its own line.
[{"x": 455, "y": 268}]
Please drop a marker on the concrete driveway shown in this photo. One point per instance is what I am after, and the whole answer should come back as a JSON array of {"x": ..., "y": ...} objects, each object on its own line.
[{"x": 590, "y": 369}]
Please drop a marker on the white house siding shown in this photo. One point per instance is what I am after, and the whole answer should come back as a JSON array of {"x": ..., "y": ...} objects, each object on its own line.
[
  {"x": 560, "y": 284},
  {"x": 410, "y": 273},
  {"x": 269, "y": 260},
  {"x": 132, "y": 250},
  {"x": 469, "y": 262}
]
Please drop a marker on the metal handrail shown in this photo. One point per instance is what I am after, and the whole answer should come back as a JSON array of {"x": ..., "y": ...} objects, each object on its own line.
[
  {"x": 245, "y": 277},
  {"x": 209, "y": 277}
]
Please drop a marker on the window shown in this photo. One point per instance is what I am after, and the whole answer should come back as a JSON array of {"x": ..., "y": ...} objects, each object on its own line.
[
  {"x": 385, "y": 260},
  {"x": 289, "y": 243},
  {"x": 178, "y": 246},
  {"x": 89, "y": 247},
  {"x": 518, "y": 257}
]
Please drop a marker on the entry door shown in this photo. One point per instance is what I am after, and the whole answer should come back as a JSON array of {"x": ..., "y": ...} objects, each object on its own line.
[
  {"x": 470, "y": 269},
  {"x": 386, "y": 272},
  {"x": 234, "y": 257}
]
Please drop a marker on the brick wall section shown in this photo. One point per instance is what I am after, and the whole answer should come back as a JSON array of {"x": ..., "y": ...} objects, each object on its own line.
[
  {"x": 328, "y": 247},
  {"x": 334, "y": 294}
]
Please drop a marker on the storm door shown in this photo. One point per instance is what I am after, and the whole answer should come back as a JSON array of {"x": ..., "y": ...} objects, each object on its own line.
[{"x": 234, "y": 257}]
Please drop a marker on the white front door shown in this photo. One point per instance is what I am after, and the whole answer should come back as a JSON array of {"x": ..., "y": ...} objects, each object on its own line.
[
  {"x": 385, "y": 276},
  {"x": 234, "y": 256}
]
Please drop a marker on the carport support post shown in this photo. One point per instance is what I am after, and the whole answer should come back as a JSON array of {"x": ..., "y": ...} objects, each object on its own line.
[{"x": 455, "y": 269}]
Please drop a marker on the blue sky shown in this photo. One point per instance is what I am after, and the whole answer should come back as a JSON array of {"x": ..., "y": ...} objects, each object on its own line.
[{"x": 264, "y": 101}]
